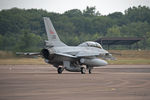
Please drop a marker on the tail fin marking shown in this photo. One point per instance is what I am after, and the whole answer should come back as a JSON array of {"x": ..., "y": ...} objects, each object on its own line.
[{"x": 53, "y": 39}]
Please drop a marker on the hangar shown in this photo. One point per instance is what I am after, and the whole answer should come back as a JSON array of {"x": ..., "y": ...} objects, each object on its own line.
[{"x": 108, "y": 41}]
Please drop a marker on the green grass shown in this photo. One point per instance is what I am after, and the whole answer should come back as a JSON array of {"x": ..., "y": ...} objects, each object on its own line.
[
  {"x": 130, "y": 57},
  {"x": 15, "y": 61},
  {"x": 130, "y": 61}
]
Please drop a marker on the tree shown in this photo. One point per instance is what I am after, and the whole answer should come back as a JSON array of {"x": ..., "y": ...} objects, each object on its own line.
[
  {"x": 140, "y": 13},
  {"x": 116, "y": 15},
  {"x": 24, "y": 30},
  {"x": 90, "y": 11},
  {"x": 28, "y": 41},
  {"x": 1, "y": 42},
  {"x": 73, "y": 13},
  {"x": 135, "y": 29},
  {"x": 113, "y": 32}
]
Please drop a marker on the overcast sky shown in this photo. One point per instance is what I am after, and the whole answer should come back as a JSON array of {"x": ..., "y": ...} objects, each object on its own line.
[{"x": 60, "y": 6}]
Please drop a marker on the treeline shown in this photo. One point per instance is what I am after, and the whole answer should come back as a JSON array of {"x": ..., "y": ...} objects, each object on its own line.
[{"x": 23, "y": 30}]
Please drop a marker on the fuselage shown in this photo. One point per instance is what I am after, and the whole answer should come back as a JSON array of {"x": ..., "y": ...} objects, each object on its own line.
[
  {"x": 77, "y": 51},
  {"x": 73, "y": 50}
]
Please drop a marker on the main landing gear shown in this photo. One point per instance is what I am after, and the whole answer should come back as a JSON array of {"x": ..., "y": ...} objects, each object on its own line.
[
  {"x": 60, "y": 70},
  {"x": 83, "y": 70},
  {"x": 89, "y": 69}
]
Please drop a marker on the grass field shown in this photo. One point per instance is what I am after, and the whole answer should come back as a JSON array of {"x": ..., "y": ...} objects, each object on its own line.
[
  {"x": 130, "y": 61},
  {"x": 17, "y": 61},
  {"x": 130, "y": 57},
  {"x": 122, "y": 57}
]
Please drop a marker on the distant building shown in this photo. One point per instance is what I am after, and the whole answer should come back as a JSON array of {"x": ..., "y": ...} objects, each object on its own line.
[{"x": 108, "y": 41}]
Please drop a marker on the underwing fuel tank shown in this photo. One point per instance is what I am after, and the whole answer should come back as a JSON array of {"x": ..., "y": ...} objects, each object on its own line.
[{"x": 93, "y": 62}]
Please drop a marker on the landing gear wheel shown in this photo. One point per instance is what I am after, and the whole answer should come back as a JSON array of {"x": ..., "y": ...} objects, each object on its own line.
[
  {"x": 90, "y": 71},
  {"x": 83, "y": 70},
  {"x": 59, "y": 70}
]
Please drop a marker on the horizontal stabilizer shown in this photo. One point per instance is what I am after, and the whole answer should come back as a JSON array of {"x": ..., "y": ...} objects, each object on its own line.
[
  {"x": 65, "y": 55},
  {"x": 28, "y": 53}
]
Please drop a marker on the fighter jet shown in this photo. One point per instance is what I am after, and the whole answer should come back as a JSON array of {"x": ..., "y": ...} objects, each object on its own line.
[{"x": 81, "y": 58}]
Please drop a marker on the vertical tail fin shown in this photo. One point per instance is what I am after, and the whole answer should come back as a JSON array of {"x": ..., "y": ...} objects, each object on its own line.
[{"x": 53, "y": 39}]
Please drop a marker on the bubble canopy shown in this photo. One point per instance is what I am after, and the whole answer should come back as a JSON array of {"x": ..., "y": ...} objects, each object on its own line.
[{"x": 90, "y": 44}]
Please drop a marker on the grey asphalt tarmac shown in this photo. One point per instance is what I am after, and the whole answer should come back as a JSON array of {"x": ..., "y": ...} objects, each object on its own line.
[{"x": 41, "y": 82}]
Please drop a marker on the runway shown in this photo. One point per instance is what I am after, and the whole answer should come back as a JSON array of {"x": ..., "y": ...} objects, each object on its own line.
[{"x": 41, "y": 82}]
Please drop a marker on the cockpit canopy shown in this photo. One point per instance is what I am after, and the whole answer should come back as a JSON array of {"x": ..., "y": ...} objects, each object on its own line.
[{"x": 91, "y": 44}]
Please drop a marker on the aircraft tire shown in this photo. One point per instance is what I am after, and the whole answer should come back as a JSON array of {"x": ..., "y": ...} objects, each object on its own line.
[
  {"x": 59, "y": 70},
  {"x": 83, "y": 70},
  {"x": 90, "y": 71}
]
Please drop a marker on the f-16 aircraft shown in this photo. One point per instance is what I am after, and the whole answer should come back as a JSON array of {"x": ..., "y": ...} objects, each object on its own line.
[{"x": 79, "y": 58}]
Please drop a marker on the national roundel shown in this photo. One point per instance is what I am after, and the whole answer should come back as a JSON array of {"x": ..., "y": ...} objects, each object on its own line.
[{"x": 51, "y": 32}]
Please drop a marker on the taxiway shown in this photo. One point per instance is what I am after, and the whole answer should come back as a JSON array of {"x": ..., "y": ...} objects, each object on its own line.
[{"x": 41, "y": 82}]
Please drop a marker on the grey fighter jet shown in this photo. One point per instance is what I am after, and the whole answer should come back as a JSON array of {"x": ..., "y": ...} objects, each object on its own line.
[{"x": 79, "y": 58}]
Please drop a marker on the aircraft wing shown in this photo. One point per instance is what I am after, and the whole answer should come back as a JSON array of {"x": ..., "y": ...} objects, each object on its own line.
[
  {"x": 38, "y": 54},
  {"x": 28, "y": 53}
]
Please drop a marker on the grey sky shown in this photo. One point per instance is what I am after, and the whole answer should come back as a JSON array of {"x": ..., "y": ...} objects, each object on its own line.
[{"x": 103, "y": 6}]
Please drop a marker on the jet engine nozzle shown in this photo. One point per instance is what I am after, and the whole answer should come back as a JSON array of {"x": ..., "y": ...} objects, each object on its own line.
[{"x": 47, "y": 54}]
